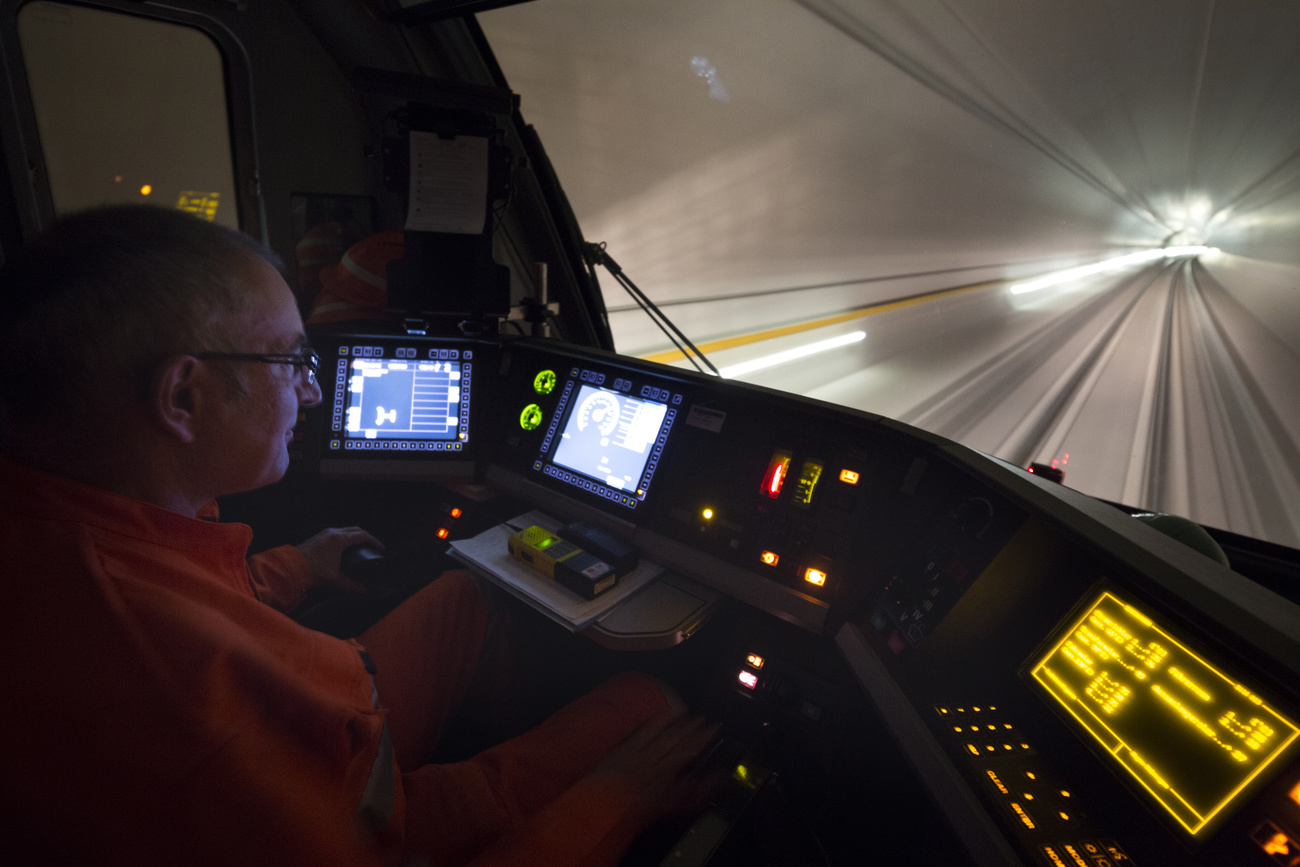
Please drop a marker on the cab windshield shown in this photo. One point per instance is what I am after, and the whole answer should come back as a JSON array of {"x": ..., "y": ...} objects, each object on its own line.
[{"x": 1065, "y": 236}]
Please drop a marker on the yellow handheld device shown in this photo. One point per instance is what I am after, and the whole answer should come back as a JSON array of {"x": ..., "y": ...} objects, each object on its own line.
[{"x": 562, "y": 562}]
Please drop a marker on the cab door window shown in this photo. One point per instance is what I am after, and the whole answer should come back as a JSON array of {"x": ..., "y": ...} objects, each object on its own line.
[{"x": 129, "y": 109}]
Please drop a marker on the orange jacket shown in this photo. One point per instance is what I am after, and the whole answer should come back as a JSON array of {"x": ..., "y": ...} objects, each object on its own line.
[{"x": 162, "y": 711}]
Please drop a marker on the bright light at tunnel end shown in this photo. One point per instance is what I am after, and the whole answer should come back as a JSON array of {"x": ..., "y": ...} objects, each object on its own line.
[
  {"x": 1058, "y": 277},
  {"x": 804, "y": 351}
]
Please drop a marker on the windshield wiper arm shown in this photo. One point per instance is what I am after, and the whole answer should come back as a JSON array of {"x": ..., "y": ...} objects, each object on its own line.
[{"x": 595, "y": 255}]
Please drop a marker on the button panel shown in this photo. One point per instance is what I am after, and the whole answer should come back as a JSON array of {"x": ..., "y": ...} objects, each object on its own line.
[{"x": 1041, "y": 809}]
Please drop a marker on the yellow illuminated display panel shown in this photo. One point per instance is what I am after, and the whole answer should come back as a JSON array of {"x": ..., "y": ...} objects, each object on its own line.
[{"x": 1187, "y": 733}]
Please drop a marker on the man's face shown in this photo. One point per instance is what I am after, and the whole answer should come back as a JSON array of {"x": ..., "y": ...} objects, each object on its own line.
[{"x": 250, "y": 437}]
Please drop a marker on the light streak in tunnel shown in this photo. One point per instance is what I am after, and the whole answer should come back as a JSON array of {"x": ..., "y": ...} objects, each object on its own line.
[
  {"x": 1058, "y": 277},
  {"x": 776, "y": 358}
]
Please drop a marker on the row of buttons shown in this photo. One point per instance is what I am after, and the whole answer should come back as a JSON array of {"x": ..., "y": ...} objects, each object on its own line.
[
  {"x": 587, "y": 485},
  {"x": 397, "y": 445},
  {"x": 403, "y": 352},
  {"x": 1086, "y": 853}
]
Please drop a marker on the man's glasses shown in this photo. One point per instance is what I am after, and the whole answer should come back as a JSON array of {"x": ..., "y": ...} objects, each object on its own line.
[{"x": 307, "y": 361}]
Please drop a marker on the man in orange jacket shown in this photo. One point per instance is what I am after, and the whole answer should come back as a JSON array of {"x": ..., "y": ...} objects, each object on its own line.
[{"x": 163, "y": 709}]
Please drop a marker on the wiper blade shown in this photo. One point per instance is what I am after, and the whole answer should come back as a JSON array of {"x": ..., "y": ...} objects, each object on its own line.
[{"x": 595, "y": 254}]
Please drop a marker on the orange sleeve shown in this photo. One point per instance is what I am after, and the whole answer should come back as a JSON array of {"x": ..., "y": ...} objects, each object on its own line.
[{"x": 279, "y": 576}]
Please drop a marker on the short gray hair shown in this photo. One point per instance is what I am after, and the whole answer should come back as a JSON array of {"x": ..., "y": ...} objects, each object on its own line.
[{"x": 93, "y": 305}]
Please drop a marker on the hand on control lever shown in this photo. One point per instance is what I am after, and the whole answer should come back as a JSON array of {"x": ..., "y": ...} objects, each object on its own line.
[{"x": 331, "y": 552}]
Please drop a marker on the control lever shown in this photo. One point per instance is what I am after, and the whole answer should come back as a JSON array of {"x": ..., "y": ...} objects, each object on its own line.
[{"x": 371, "y": 566}]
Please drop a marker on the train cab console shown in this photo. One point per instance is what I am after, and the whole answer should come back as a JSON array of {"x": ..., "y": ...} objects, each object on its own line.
[{"x": 943, "y": 658}]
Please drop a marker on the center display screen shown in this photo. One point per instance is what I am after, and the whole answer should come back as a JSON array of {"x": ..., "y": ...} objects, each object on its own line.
[
  {"x": 1189, "y": 735},
  {"x": 607, "y": 440}
]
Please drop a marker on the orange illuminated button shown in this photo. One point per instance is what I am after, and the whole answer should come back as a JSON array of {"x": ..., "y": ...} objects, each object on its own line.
[
  {"x": 456, "y": 513},
  {"x": 849, "y": 477},
  {"x": 754, "y": 660},
  {"x": 815, "y": 576},
  {"x": 443, "y": 532},
  {"x": 1295, "y": 793},
  {"x": 769, "y": 557}
]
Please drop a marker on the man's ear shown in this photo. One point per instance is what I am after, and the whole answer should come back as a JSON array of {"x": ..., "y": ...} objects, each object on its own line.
[{"x": 178, "y": 395}]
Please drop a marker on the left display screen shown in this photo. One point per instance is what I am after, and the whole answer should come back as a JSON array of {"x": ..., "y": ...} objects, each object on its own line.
[{"x": 389, "y": 397}]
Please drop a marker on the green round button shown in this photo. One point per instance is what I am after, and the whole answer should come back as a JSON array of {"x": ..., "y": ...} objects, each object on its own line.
[
  {"x": 531, "y": 417},
  {"x": 544, "y": 382}
]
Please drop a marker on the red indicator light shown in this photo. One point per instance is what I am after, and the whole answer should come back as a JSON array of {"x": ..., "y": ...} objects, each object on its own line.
[
  {"x": 748, "y": 679},
  {"x": 849, "y": 477},
  {"x": 815, "y": 576},
  {"x": 770, "y": 557},
  {"x": 754, "y": 660},
  {"x": 777, "y": 469},
  {"x": 443, "y": 532},
  {"x": 456, "y": 513}
]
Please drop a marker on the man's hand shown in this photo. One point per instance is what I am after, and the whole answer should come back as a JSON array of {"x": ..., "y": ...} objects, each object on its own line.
[
  {"x": 324, "y": 552},
  {"x": 660, "y": 763}
]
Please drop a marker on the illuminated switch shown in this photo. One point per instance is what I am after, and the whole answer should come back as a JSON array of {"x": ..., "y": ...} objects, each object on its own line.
[
  {"x": 754, "y": 660},
  {"x": 1116, "y": 852},
  {"x": 443, "y": 532},
  {"x": 1073, "y": 856},
  {"x": 1275, "y": 842},
  {"x": 972, "y": 749},
  {"x": 771, "y": 558},
  {"x": 850, "y": 477},
  {"x": 748, "y": 679},
  {"x": 1053, "y": 857},
  {"x": 997, "y": 782},
  {"x": 455, "y": 513},
  {"x": 815, "y": 577},
  {"x": 1295, "y": 793},
  {"x": 940, "y": 710},
  {"x": 1023, "y": 816}
]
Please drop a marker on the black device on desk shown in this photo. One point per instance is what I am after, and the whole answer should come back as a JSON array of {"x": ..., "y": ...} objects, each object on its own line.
[{"x": 606, "y": 546}]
